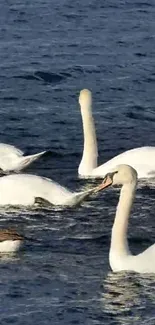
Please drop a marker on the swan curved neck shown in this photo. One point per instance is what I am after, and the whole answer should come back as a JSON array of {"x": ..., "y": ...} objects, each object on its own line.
[
  {"x": 90, "y": 150},
  {"x": 119, "y": 243}
]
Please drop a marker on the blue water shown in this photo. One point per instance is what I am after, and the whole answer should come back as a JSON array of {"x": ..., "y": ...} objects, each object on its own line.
[{"x": 49, "y": 51}]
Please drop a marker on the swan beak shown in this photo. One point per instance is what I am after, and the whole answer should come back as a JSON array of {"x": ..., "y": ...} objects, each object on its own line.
[{"x": 106, "y": 183}]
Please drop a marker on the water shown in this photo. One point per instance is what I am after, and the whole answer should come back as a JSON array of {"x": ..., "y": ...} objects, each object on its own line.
[{"x": 50, "y": 50}]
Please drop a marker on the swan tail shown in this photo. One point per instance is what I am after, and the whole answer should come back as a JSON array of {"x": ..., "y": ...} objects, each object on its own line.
[{"x": 27, "y": 160}]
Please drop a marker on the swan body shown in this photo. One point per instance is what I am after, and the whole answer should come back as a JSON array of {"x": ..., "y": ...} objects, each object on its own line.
[
  {"x": 13, "y": 159},
  {"x": 120, "y": 257},
  {"x": 23, "y": 189},
  {"x": 142, "y": 159},
  {"x": 10, "y": 241}
]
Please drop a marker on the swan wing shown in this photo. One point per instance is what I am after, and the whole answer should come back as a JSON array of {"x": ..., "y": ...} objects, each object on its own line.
[
  {"x": 13, "y": 159},
  {"x": 6, "y": 149},
  {"x": 22, "y": 189},
  {"x": 9, "y": 156}
]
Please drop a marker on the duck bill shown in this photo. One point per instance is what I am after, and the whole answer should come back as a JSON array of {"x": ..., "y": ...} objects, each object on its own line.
[{"x": 106, "y": 183}]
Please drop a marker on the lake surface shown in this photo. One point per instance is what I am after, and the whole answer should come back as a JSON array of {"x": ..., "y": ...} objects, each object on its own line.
[{"x": 49, "y": 51}]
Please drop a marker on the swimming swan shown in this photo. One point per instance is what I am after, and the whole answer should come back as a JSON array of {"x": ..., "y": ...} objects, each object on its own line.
[
  {"x": 120, "y": 257},
  {"x": 142, "y": 159},
  {"x": 27, "y": 189},
  {"x": 13, "y": 159}
]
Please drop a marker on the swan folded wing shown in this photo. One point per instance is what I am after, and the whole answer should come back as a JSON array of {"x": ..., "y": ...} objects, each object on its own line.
[
  {"x": 9, "y": 157},
  {"x": 13, "y": 160},
  {"x": 9, "y": 162},
  {"x": 6, "y": 149},
  {"x": 141, "y": 159},
  {"x": 26, "y": 189},
  {"x": 22, "y": 189}
]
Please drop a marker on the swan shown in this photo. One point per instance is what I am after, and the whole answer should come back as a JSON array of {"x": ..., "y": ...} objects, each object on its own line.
[
  {"x": 120, "y": 257},
  {"x": 13, "y": 159},
  {"x": 29, "y": 190},
  {"x": 10, "y": 241},
  {"x": 142, "y": 159}
]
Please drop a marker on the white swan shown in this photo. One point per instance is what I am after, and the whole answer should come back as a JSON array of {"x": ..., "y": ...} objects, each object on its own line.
[
  {"x": 142, "y": 159},
  {"x": 27, "y": 189},
  {"x": 13, "y": 159},
  {"x": 10, "y": 241},
  {"x": 120, "y": 257}
]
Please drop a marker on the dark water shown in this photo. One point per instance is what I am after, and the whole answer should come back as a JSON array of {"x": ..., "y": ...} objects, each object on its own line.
[{"x": 49, "y": 51}]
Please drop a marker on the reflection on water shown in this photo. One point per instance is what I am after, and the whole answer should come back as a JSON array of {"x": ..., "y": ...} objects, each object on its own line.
[
  {"x": 129, "y": 298},
  {"x": 9, "y": 257}
]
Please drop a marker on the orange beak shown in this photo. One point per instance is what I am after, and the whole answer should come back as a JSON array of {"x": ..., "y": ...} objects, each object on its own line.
[{"x": 106, "y": 183}]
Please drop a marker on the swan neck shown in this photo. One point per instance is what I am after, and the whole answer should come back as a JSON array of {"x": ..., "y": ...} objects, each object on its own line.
[
  {"x": 119, "y": 243},
  {"x": 90, "y": 150}
]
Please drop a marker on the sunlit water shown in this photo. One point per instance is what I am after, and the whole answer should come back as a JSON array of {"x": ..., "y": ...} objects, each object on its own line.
[{"x": 49, "y": 51}]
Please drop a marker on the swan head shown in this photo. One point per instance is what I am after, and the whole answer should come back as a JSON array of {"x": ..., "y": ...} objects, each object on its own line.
[
  {"x": 85, "y": 98},
  {"x": 120, "y": 175}
]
